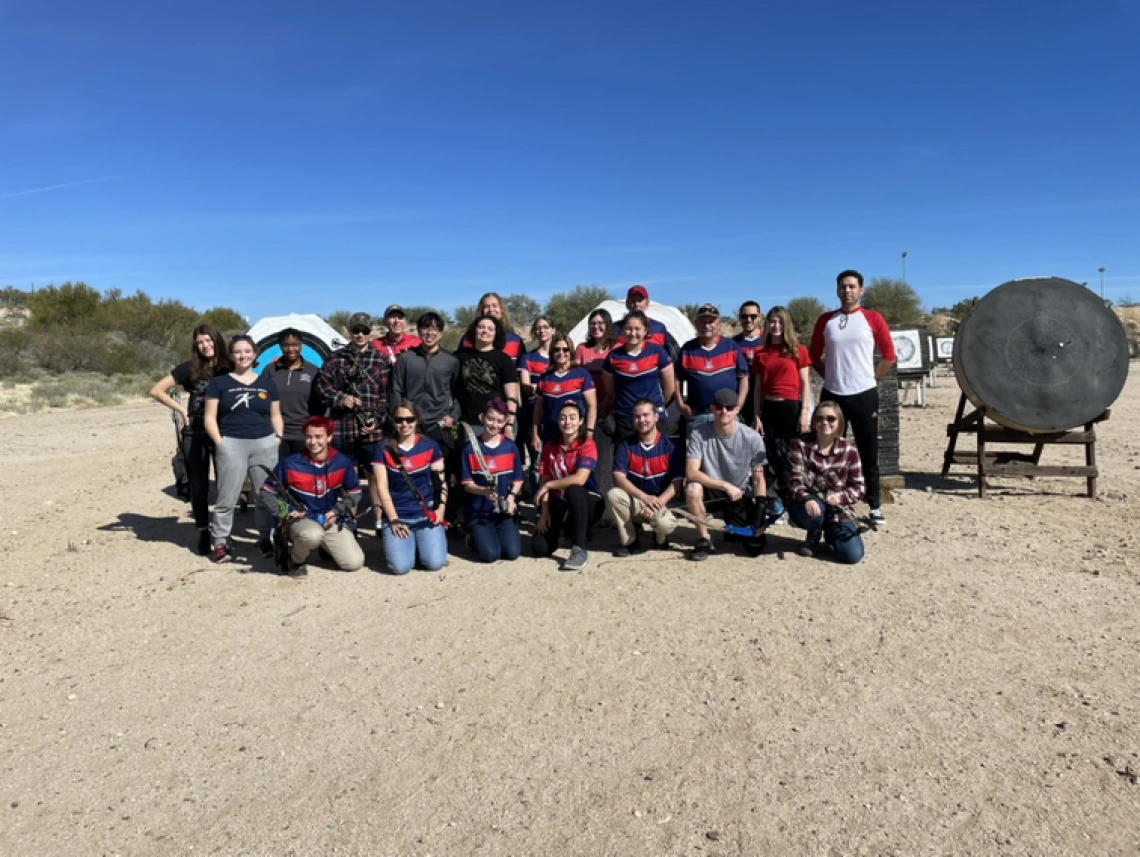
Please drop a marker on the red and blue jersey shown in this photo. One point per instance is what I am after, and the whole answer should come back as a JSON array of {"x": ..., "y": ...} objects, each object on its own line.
[
  {"x": 534, "y": 362},
  {"x": 710, "y": 369},
  {"x": 514, "y": 348},
  {"x": 658, "y": 334},
  {"x": 556, "y": 390},
  {"x": 749, "y": 346},
  {"x": 558, "y": 462},
  {"x": 505, "y": 465},
  {"x": 651, "y": 468},
  {"x": 316, "y": 485},
  {"x": 637, "y": 376},
  {"x": 417, "y": 461}
]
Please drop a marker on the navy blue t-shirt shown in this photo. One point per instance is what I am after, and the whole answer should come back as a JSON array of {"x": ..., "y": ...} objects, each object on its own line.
[{"x": 243, "y": 409}]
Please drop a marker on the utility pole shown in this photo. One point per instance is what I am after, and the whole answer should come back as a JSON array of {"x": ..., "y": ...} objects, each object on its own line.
[
  {"x": 1102, "y": 283},
  {"x": 904, "y": 255}
]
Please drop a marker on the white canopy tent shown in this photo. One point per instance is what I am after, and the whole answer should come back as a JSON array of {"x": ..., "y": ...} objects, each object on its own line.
[
  {"x": 319, "y": 340},
  {"x": 675, "y": 321}
]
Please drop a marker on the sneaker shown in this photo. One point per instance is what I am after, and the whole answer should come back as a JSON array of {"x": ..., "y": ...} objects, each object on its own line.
[
  {"x": 634, "y": 548},
  {"x": 702, "y": 550},
  {"x": 222, "y": 554},
  {"x": 755, "y": 546},
  {"x": 301, "y": 570},
  {"x": 877, "y": 518},
  {"x": 775, "y": 512},
  {"x": 810, "y": 546},
  {"x": 205, "y": 546},
  {"x": 577, "y": 559},
  {"x": 266, "y": 548}
]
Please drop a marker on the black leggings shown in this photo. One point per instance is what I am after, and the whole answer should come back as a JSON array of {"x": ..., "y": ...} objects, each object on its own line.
[
  {"x": 289, "y": 447},
  {"x": 576, "y": 507},
  {"x": 781, "y": 421},
  {"x": 861, "y": 411},
  {"x": 198, "y": 450}
]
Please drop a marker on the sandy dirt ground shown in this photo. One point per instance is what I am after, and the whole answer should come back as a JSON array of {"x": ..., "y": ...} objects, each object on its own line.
[{"x": 969, "y": 689}]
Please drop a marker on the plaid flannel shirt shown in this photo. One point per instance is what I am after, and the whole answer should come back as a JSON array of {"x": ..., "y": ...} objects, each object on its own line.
[
  {"x": 364, "y": 374},
  {"x": 815, "y": 474}
]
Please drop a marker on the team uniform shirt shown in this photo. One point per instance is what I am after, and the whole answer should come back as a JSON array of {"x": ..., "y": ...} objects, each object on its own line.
[
  {"x": 407, "y": 342},
  {"x": 558, "y": 463},
  {"x": 417, "y": 461},
  {"x": 243, "y": 409},
  {"x": 749, "y": 345},
  {"x": 535, "y": 363},
  {"x": 710, "y": 369},
  {"x": 658, "y": 334},
  {"x": 556, "y": 390},
  {"x": 316, "y": 485},
  {"x": 777, "y": 375},
  {"x": 815, "y": 474},
  {"x": 637, "y": 376},
  {"x": 196, "y": 391},
  {"x": 847, "y": 342},
  {"x": 650, "y": 467},
  {"x": 505, "y": 465},
  {"x": 514, "y": 347}
]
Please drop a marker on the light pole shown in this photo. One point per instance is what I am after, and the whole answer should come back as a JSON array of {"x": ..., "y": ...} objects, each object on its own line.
[
  {"x": 904, "y": 255},
  {"x": 1101, "y": 269}
]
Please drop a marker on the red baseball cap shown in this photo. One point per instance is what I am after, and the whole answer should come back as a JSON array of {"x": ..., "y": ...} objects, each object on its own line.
[{"x": 639, "y": 292}]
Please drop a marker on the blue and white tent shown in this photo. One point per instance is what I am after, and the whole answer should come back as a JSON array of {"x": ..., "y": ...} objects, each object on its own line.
[{"x": 318, "y": 339}]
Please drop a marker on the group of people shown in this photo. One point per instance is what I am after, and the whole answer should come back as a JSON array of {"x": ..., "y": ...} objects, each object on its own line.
[{"x": 460, "y": 441}]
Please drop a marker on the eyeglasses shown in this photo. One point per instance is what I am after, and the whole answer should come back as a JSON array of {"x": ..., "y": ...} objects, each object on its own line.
[
  {"x": 560, "y": 350},
  {"x": 432, "y": 329},
  {"x": 403, "y": 420},
  {"x": 827, "y": 419},
  {"x": 749, "y": 316}
]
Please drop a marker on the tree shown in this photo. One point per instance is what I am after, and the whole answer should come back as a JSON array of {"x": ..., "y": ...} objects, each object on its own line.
[
  {"x": 566, "y": 309},
  {"x": 805, "y": 312},
  {"x": 224, "y": 319},
  {"x": 1127, "y": 302},
  {"x": 959, "y": 310},
  {"x": 690, "y": 310},
  {"x": 66, "y": 304},
  {"x": 524, "y": 310},
  {"x": 895, "y": 300},
  {"x": 414, "y": 312},
  {"x": 338, "y": 320},
  {"x": 464, "y": 315}
]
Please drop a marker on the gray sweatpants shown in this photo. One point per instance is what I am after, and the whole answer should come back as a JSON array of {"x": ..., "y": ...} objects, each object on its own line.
[{"x": 234, "y": 459}]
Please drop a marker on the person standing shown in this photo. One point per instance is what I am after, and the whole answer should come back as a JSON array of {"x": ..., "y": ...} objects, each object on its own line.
[
  {"x": 353, "y": 383},
  {"x": 294, "y": 377},
  {"x": 396, "y": 340},
  {"x": 637, "y": 300},
  {"x": 492, "y": 306},
  {"x": 648, "y": 470},
  {"x": 724, "y": 469},
  {"x": 843, "y": 352},
  {"x": 243, "y": 419},
  {"x": 635, "y": 370},
  {"x": 591, "y": 354},
  {"x": 531, "y": 367},
  {"x": 486, "y": 372},
  {"x": 426, "y": 375},
  {"x": 209, "y": 358},
  {"x": 564, "y": 381},
  {"x": 750, "y": 339},
  {"x": 709, "y": 363}
]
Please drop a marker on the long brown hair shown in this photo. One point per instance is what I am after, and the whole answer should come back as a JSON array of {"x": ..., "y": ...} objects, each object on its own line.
[
  {"x": 791, "y": 341},
  {"x": 506, "y": 319},
  {"x": 611, "y": 337},
  {"x": 202, "y": 369}
]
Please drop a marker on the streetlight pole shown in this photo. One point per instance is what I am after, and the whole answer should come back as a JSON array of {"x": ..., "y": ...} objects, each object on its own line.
[
  {"x": 904, "y": 255},
  {"x": 1102, "y": 282}
]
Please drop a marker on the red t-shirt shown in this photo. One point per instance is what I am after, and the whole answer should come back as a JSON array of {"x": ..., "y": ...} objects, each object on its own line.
[{"x": 778, "y": 376}]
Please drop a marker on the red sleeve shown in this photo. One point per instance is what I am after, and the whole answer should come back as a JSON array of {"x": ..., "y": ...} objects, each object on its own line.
[
  {"x": 804, "y": 360},
  {"x": 816, "y": 352},
  {"x": 545, "y": 469},
  {"x": 882, "y": 334}
]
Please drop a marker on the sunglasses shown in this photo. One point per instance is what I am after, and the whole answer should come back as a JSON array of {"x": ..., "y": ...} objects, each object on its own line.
[
  {"x": 362, "y": 330},
  {"x": 827, "y": 419},
  {"x": 560, "y": 350},
  {"x": 403, "y": 420},
  {"x": 749, "y": 316},
  {"x": 717, "y": 407}
]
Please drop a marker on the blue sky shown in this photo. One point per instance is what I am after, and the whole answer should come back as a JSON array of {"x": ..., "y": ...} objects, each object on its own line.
[{"x": 311, "y": 157}]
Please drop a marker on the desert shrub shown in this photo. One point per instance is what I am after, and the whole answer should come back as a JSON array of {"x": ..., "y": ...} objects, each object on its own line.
[
  {"x": 12, "y": 298},
  {"x": 67, "y": 304},
  {"x": 223, "y": 318}
]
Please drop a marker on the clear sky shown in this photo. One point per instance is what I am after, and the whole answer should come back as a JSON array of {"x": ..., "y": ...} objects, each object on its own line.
[{"x": 319, "y": 156}]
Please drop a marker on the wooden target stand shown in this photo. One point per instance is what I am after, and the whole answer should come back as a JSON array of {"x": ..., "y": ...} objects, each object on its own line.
[{"x": 1012, "y": 463}]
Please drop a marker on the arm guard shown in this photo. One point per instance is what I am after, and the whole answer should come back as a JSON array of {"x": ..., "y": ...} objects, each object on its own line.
[{"x": 437, "y": 484}]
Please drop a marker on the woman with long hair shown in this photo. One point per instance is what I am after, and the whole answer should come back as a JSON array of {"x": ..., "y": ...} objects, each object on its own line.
[
  {"x": 783, "y": 392},
  {"x": 637, "y": 369},
  {"x": 486, "y": 373},
  {"x": 491, "y": 305},
  {"x": 532, "y": 366},
  {"x": 825, "y": 480},
  {"x": 492, "y": 478},
  {"x": 405, "y": 479},
  {"x": 591, "y": 353},
  {"x": 208, "y": 358},
  {"x": 243, "y": 419},
  {"x": 568, "y": 497}
]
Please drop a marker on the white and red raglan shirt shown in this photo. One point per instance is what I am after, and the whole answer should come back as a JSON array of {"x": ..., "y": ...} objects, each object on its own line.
[{"x": 847, "y": 341}]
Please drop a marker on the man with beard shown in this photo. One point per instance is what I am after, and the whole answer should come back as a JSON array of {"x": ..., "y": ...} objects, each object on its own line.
[{"x": 751, "y": 340}]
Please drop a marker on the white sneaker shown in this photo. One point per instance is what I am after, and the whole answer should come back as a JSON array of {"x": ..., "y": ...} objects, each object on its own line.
[{"x": 877, "y": 517}]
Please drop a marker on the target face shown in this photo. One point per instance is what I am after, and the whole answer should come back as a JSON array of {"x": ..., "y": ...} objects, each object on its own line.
[{"x": 907, "y": 350}]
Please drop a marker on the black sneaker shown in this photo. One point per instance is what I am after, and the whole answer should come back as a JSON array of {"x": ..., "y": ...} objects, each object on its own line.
[
  {"x": 702, "y": 550},
  {"x": 634, "y": 548},
  {"x": 205, "y": 546},
  {"x": 266, "y": 548},
  {"x": 810, "y": 545}
]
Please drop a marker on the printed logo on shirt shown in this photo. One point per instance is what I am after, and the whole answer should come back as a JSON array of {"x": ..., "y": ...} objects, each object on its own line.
[
  {"x": 263, "y": 395},
  {"x": 243, "y": 400}
]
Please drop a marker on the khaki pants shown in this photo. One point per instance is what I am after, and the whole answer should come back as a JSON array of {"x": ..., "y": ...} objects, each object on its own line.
[
  {"x": 626, "y": 513},
  {"x": 306, "y": 536}
]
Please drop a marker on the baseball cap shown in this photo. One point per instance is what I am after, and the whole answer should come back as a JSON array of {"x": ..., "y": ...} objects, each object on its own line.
[
  {"x": 639, "y": 292},
  {"x": 726, "y": 398},
  {"x": 709, "y": 310},
  {"x": 394, "y": 308},
  {"x": 360, "y": 319}
]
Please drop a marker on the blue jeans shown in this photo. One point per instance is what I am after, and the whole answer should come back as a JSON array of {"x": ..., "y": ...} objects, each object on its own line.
[
  {"x": 429, "y": 541},
  {"x": 842, "y": 536},
  {"x": 496, "y": 539}
]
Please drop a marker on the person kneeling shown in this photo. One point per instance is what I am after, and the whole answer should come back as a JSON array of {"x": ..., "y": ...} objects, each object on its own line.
[
  {"x": 323, "y": 490},
  {"x": 825, "y": 479},
  {"x": 725, "y": 471},
  {"x": 409, "y": 487},
  {"x": 568, "y": 495},
  {"x": 491, "y": 474},
  {"x": 648, "y": 468}
]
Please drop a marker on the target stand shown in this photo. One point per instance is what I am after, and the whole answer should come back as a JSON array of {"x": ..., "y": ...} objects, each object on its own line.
[{"x": 990, "y": 462}]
